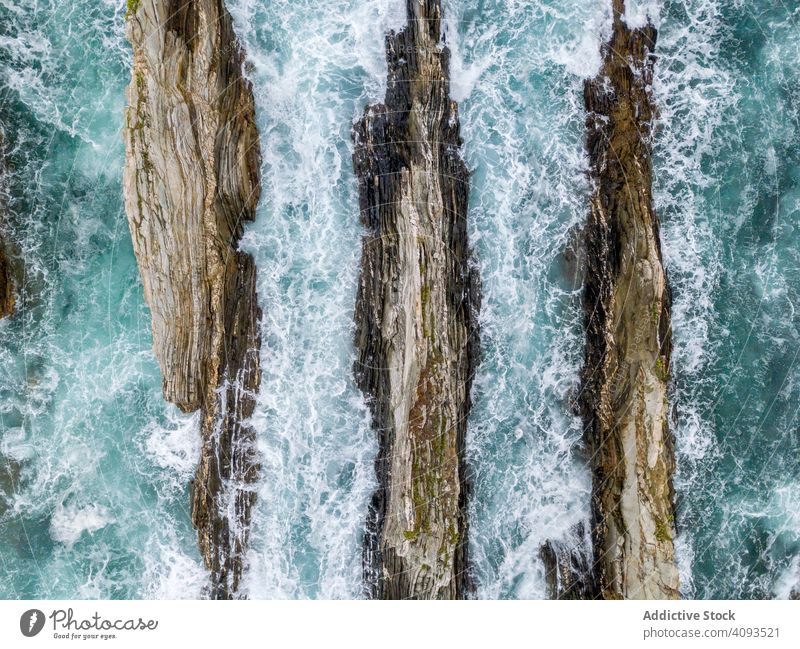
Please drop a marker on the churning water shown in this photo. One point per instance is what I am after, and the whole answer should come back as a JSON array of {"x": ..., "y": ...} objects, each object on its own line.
[{"x": 94, "y": 465}]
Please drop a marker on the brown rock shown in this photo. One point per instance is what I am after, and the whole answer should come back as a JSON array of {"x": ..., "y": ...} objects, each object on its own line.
[
  {"x": 627, "y": 304},
  {"x": 191, "y": 182},
  {"x": 7, "y": 298},
  {"x": 415, "y": 317}
]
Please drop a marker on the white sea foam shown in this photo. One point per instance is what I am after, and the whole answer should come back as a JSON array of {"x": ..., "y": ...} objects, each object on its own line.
[
  {"x": 70, "y": 521},
  {"x": 174, "y": 445},
  {"x": 171, "y": 573},
  {"x": 463, "y": 76},
  {"x": 639, "y": 12},
  {"x": 522, "y": 122},
  {"x": 684, "y": 556},
  {"x": 716, "y": 139},
  {"x": 316, "y": 66},
  {"x": 788, "y": 582},
  {"x": 692, "y": 92}
]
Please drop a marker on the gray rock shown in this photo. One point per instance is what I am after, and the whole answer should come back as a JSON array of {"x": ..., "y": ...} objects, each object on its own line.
[{"x": 567, "y": 565}]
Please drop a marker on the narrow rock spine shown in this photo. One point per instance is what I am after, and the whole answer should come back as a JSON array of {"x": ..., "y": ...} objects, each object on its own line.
[
  {"x": 7, "y": 296},
  {"x": 416, "y": 317},
  {"x": 627, "y": 305},
  {"x": 191, "y": 183}
]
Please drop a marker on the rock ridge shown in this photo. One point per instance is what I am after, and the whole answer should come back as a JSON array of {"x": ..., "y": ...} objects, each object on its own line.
[
  {"x": 627, "y": 304},
  {"x": 191, "y": 182},
  {"x": 416, "y": 318}
]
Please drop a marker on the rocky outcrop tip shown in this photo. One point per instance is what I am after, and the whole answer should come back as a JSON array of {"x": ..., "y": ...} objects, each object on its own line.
[{"x": 568, "y": 566}]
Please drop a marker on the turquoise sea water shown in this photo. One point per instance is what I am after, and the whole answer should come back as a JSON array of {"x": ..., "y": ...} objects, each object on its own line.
[
  {"x": 96, "y": 501},
  {"x": 518, "y": 75},
  {"x": 727, "y": 183},
  {"x": 94, "y": 465}
]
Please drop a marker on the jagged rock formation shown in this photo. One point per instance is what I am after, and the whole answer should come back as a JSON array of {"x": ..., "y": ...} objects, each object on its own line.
[
  {"x": 415, "y": 317},
  {"x": 7, "y": 298},
  {"x": 627, "y": 303},
  {"x": 191, "y": 182},
  {"x": 567, "y": 566}
]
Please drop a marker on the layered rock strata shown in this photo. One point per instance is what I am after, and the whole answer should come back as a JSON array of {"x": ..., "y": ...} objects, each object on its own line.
[
  {"x": 191, "y": 183},
  {"x": 7, "y": 298},
  {"x": 627, "y": 304},
  {"x": 415, "y": 317}
]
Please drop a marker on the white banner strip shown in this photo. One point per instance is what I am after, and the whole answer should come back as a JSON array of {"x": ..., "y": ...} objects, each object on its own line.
[{"x": 401, "y": 625}]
